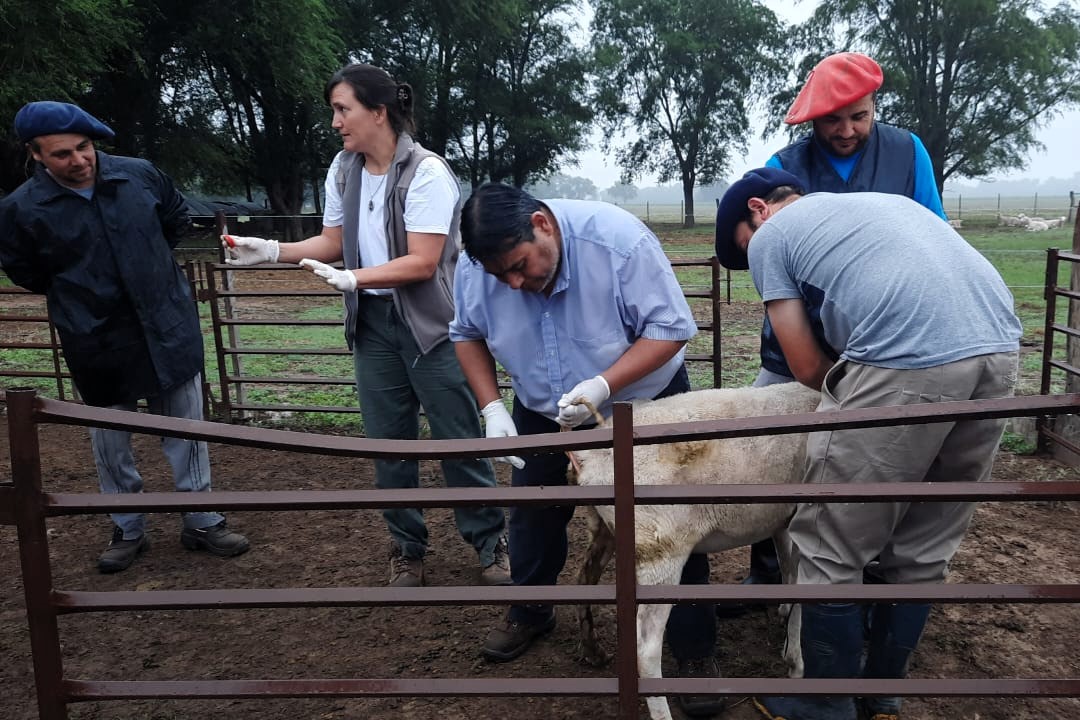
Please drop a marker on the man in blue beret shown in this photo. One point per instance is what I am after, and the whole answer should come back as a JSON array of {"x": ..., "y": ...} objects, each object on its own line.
[
  {"x": 94, "y": 233},
  {"x": 914, "y": 315}
]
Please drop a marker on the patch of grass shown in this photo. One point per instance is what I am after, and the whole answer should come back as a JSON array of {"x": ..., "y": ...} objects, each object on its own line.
[{"x": 1017, "y": 444}]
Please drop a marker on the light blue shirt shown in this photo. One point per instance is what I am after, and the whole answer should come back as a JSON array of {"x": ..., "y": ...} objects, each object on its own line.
[
  {"x": 614, "y": 285},
  {"x": 925, "y": 192}
]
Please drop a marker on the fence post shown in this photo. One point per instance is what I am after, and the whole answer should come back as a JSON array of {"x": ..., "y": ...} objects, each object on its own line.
[
  {"x": 625, "y": 561},
  {"x": 34, "y": 554},
  {"x": 219, "y": 342},
  {"x": 227, "y": 280},
  {"x": 1035, "y": 207},
  {"x": 647, "y": 218},
  {"x": 959, "y": 205},
  {"x": 1072, "y": 203},
  {"x": 1050, "y": 296},
  {"x": 717, "y": 345}
]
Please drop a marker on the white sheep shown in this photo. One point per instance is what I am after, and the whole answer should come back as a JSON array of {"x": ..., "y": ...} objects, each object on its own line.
[
  {"x": 665, "y": 535},
  {"x": 956, "y": 223},
  {"x": 1013, "y": 220},
  {"x": 1055, "y": 222},
  {"x": 1037, "y": 225}
]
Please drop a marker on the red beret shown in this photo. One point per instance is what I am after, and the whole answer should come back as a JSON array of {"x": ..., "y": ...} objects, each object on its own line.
[{"x": 835, "y": 82}]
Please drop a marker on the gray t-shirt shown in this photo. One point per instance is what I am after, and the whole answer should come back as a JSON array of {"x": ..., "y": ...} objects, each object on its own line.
[{"x": 896, "y": 286}]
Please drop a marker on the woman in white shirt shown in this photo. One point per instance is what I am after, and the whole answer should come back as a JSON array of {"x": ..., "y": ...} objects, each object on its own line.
[{"x": 391, "y": 216}]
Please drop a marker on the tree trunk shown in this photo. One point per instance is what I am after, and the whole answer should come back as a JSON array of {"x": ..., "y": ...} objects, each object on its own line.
[{"x": 688, "y": 201}]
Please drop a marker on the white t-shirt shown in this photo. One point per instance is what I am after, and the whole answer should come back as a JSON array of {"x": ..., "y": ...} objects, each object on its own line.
[{"x": 429, "y": 207}]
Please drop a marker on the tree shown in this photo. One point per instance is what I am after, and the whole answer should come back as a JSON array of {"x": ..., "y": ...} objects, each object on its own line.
[
  {"x": 523, "y": 94},
  {"x": 501, "y": 89},
  {"x": 558, "y": 185},
  {"x": 974, "y": 79},
  {"x": 681, "y": 73},
  {"x": 262, "y": 68},
  {"x": 621, "y": 193}
]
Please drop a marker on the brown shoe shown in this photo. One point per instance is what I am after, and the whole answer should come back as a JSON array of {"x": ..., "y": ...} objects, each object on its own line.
[
  {"x": 510, "y": 639},
  {"x": 498, "y": 572},
  {"x": 405, "y": 571},
  {"x": 700, "y": 705}
]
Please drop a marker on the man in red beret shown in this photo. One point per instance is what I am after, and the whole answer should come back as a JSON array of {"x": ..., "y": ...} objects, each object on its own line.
[{"x": 847, "y": 151}]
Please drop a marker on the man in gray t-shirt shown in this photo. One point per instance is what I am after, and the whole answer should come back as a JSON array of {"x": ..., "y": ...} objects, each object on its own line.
[{"x": 916, "y": 315}]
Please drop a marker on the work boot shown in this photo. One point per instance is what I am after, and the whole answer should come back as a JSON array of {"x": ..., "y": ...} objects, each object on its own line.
[
  {"x": 498, "y": 572},
  {"x": 121, "y": 553},
  {"x": 895, "y": 630},
  {"x": 405, "y": 571},
  {"x": 512, "y": 638},
  {"x": 700, "y": 705},
  {"x": 832, "y": 635},
  {"x": 217, "y": 540}
]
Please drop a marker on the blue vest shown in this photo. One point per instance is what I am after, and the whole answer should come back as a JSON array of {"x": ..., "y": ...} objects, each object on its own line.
[{"x": 887, "y": 165}]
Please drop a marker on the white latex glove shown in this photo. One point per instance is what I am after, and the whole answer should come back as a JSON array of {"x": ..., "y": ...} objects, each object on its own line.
[
  {"x": 343, "y": 280},
  {"x": 241, "y": 250},
  {"x": 572, "y": 408},
  {"x": 498, "y": 423}
]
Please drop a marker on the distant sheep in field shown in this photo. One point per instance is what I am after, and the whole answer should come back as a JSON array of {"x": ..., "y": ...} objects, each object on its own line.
[
  {"x": 1013, "y": 220},
  {"x": 957, "y": 223},
  {"x": 665, "y": 535},
  {"x": 1037, "y": 225},
  {"x": 1055, "y": 222}
]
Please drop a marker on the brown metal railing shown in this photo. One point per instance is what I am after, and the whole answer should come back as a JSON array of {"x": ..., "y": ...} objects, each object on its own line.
[
  {"x": 1052, "y": 329},
  {"x": 57, "y": 371},
  {"x": 222, "y": 294},
  {"x": 26, "y": 504}
]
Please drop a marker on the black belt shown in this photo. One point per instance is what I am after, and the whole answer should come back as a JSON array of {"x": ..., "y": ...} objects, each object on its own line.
[{"x": 373, "y": 296}]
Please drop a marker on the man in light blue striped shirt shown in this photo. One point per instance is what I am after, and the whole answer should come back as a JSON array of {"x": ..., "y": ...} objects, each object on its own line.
[{"x": 574, "y": 299}]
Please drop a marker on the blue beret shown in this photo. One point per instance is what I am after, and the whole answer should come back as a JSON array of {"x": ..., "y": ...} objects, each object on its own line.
[
  {"x": 48, "y": 117},
  {"x": 732, "y": 210}
]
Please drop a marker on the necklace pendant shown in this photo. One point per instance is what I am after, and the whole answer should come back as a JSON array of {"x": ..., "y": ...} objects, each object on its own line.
[{"x": 371, "y": 205}]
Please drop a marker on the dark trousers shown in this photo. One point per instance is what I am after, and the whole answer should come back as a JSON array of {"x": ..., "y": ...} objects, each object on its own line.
[{"x": 538, "y": 543}]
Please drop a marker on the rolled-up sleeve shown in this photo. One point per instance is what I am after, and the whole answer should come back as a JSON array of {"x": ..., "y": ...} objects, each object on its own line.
[{"x": 653, "y": 302}]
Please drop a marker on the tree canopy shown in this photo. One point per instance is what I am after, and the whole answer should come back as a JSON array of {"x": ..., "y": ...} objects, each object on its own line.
[
  {"x": 683, "y": 75},
  {"x": 227, "y": 97}
]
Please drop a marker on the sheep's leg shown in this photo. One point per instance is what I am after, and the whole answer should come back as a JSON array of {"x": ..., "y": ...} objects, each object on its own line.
[
  {"x": 651, "y": 621},
  {"x": 791, "y": 612},
  {"x": 601, "y": 550}
]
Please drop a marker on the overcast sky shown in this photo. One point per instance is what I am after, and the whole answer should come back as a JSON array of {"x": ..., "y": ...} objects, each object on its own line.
[{"x": 1059, "y": 159}]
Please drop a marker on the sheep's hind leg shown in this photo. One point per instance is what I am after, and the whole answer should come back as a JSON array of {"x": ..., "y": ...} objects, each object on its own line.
[{"x": 597, "y": 557}]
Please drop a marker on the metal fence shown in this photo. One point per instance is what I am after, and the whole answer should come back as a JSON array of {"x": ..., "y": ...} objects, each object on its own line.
[{"x": 26, "y": 504}]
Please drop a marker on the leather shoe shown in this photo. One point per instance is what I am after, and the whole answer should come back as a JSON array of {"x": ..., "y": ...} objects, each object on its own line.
[
  {"x": 121, "y": 553},
  {"x": 700, "y": 705},
  {"x": 511, "y": 638}
]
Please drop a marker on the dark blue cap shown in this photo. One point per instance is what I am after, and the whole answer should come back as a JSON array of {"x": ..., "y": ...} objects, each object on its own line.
[
  {"x": 732, "y": 210},
  {"x": 48, "y": 117}
]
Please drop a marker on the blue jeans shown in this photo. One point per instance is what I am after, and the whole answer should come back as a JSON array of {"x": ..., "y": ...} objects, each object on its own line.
[
  {"x": 394, "y": 380},
  {"x": 538, "y": 542},
  {"x": 189, "y": 459}
]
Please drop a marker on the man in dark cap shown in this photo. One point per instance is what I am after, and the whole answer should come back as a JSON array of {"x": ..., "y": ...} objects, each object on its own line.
[
  {"x": 910, "y": 313},
  {"x": 847, "y": 151},
  {"x": 94, "y": 233}
]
